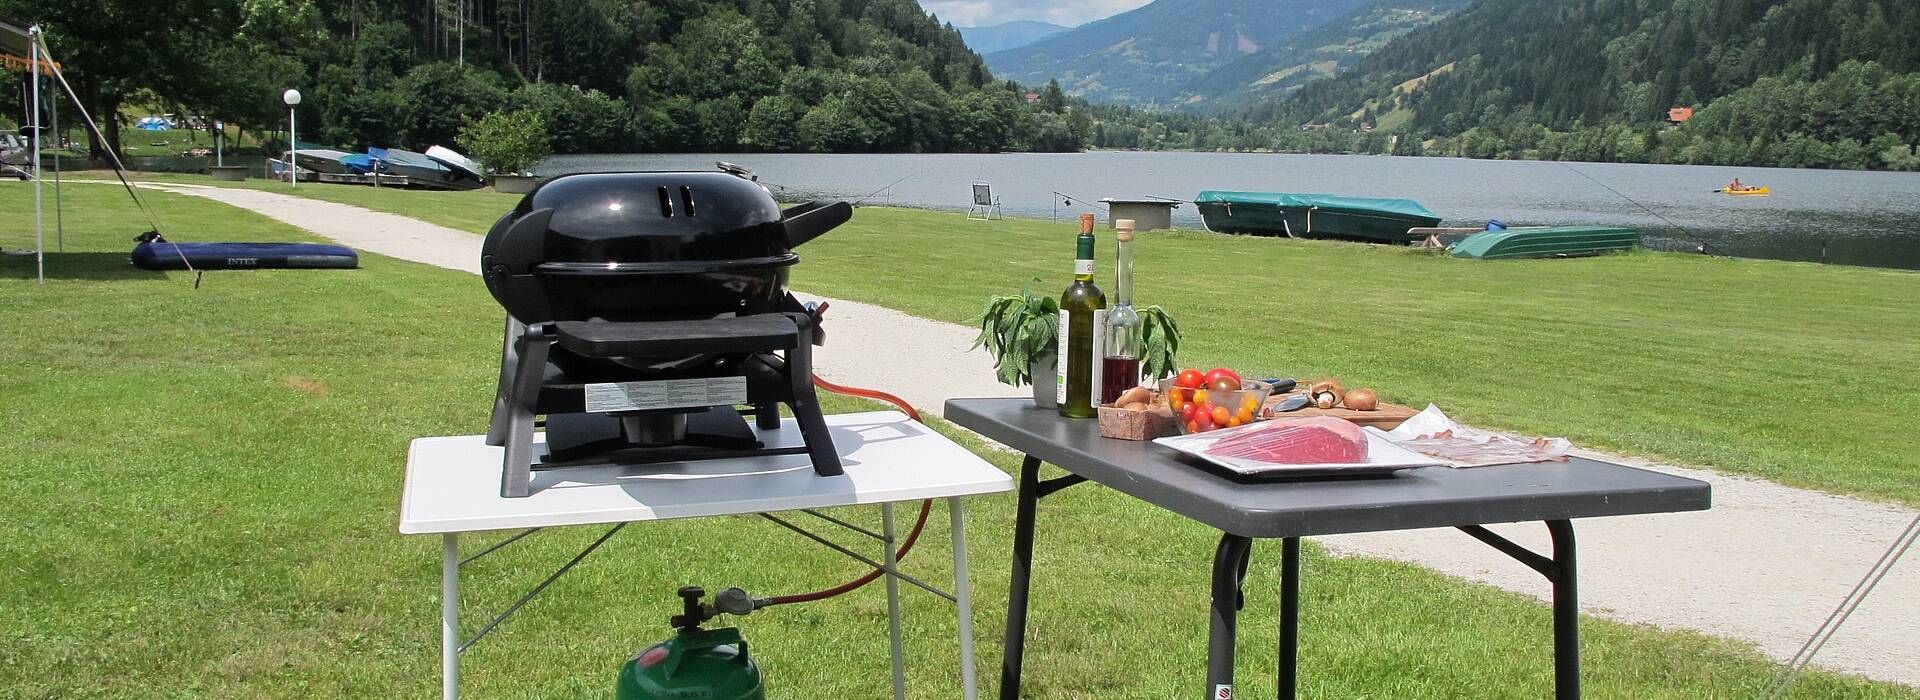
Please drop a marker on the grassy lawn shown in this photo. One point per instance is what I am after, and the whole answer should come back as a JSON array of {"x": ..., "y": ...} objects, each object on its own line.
[
  {"x": 204, "y": 497},
  {"x": 1789, "y": 371}
]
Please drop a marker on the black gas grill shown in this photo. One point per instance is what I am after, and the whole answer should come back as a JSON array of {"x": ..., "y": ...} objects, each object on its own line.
[{"x": 647, "y": 315}]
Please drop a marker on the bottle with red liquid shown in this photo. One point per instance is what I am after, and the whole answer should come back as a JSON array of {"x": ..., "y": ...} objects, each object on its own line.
[{"x": 1120, "y": 369}]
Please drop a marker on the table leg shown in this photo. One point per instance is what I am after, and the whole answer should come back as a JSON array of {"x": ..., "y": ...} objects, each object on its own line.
[
  {"x": 1014, "y": 652},
  {"x": 1224, "y": 614},
  {"x": 963, "y": 598},
  {"x": 450, "y": 616},
  {"x": 1289, "y": 616},
  {"x": 1566, "y": 613},
  {"x": 893, "y": 603}
]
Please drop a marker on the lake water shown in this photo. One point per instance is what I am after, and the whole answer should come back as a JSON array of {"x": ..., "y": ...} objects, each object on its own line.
[{"x": 1846, "y": 217}]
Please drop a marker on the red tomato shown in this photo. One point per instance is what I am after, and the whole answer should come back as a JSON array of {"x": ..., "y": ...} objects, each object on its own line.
[
  {"x": 1193, "y": 427},
  {"x": 1219, "y": 372},
  {"x": 1188, "y": 411},
  {"x": 1190, "y": 379}
]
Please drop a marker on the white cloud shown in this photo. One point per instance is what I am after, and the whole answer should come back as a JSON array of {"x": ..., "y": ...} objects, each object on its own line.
[{"x": 972, "y": 13}]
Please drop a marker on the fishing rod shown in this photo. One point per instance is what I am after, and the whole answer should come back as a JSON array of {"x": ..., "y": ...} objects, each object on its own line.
[
  {"x": 888, "y": 186},
  {"x": 1705, "y": 249}
]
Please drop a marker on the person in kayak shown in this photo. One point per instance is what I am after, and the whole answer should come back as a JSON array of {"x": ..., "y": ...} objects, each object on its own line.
[{"x": 1735, "y": 186}]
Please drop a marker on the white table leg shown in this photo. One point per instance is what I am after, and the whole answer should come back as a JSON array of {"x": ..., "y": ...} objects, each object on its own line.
[
  {"x": 450, "y": 616},
  {"x": 963, "y": 596},
  {"x": 893, "y": 603}
]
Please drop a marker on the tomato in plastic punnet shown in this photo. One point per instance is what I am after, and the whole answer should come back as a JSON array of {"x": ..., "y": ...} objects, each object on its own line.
[
  {"x": 1187, "y": 412},
  {"x": 1190, "y": 379},
  {"x": 1199, "y": 396},
  {"x": 1177, "y": 399},
  {"x": 1221, "y": 415}
]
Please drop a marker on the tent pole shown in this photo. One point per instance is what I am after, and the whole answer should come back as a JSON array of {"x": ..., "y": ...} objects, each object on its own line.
[
  {"x": 59, "y": 222},
  {"x": 39, "y": 218}
]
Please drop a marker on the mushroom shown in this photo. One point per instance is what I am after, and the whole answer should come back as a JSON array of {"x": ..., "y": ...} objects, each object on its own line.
[{"x": 1325, "y": 393}]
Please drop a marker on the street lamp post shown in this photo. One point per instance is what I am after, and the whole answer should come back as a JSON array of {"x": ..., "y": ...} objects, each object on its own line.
[{"x": 292, "y": 98}]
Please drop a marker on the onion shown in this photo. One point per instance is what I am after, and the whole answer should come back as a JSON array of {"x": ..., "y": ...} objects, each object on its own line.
[{"x": 1362, "y": 400}]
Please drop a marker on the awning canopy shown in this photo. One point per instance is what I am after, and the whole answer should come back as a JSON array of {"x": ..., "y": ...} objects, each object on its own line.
[{"x": 13, "y": 39}]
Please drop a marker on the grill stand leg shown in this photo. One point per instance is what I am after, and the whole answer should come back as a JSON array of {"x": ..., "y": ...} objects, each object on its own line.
[
  {"x": 963, "y": 598},
  {"x": 893, "y": 603},
  {"x": 1224, "y": 613},
  {"x": 450, "y": 616}
]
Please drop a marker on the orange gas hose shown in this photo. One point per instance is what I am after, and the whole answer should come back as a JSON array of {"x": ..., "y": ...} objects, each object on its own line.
[{"x": 919, "y": 524}]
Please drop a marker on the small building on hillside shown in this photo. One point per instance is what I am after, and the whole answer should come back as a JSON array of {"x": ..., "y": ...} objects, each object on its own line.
[
  {"x": 1033, "y": 97},
  {"x": 1679, "y": 115}
]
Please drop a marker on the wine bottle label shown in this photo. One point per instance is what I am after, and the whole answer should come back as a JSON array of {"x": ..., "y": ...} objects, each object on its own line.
[
  {"x": 1060, "y": 364},
  {"x": 1083, "y": 267}
]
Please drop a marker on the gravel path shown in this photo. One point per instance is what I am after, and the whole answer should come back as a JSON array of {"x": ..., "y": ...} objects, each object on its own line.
[{"x": 1766, "y": 564}]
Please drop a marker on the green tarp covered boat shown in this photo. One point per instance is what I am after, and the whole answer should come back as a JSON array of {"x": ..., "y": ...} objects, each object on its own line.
[
  {"x": 1314, "y": 216},
  {"x": 1549, "y": 242}
]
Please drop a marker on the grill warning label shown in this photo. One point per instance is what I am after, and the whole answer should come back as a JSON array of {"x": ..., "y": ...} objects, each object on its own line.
[{"x": 666, "y": 393}]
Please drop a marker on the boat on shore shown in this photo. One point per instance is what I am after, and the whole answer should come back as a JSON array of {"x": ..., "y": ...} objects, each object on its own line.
[
  {"x": 1546, "y": 242},
  {"x": 1366, "y": 219},
  {"x": 421, "y": 170},
  {"x": 322, "y": 160},
  {"x": 463, "y": 168}
]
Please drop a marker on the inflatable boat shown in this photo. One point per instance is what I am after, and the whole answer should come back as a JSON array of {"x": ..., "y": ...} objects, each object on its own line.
[{"x": 156, "y": 253}]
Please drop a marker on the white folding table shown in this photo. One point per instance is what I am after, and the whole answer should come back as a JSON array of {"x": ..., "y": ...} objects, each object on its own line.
[{"x": 453, "y": 487}]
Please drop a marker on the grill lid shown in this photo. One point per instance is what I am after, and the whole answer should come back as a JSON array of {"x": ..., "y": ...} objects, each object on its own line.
[{"x": 682, "y": 244}]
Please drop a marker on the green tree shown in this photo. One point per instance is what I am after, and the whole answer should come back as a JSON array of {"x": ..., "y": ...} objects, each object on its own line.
[
  {"x": 442, "y": 96},
  {"x": 506, "y": 142},
  {"x": 773, "y": 124}
]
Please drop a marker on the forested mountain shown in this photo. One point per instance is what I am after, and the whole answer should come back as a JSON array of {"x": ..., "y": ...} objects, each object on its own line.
[
  {"x": 1150, "y": 55},
  {"x": 1824, "y": 83},
  {"x": 1320, "y": 52},
  {"x": 1011, "y": 35},
  {"x": 606, "y": 75}
]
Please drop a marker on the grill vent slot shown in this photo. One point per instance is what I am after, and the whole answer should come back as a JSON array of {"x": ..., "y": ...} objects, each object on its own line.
[
  {"x": 666, "y": 202},
  {"x": 686, "y": 197}
]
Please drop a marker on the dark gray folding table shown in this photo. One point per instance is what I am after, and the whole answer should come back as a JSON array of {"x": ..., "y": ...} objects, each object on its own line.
[{"x": 1553, "y": 492}]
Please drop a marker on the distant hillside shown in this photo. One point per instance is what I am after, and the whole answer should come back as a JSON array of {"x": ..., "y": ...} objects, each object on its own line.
[
  {"x": 1012, "y": 35},
  {"x": 1150, "y": 55},
  {"x": 1792, "y": 83},
  {"x": 1319, "y": 52}
]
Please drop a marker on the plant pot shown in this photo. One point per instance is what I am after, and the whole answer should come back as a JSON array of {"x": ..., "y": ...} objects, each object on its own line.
[
  {"x": 228, "y": 173},
  {"x": 1045, "y": 382},
  {"x": 514, "y": 184}
]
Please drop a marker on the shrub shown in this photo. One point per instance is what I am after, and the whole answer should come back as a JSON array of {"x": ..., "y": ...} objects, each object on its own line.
[{"x": 507, "y": 143}]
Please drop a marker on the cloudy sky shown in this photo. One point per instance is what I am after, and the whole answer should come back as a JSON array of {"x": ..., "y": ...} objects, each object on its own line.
[{"x": 973, "y": 13}]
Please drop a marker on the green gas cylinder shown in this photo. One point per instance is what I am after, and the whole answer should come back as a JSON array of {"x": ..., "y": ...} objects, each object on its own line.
[{"x": 695, "y": 664}]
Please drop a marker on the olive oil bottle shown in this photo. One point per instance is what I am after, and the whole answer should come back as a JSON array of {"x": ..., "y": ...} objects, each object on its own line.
[{"x": 1083, "y": 315}]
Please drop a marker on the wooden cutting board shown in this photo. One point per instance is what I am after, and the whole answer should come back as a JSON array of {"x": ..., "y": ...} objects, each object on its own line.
[{"x": 1387, "y": 417}]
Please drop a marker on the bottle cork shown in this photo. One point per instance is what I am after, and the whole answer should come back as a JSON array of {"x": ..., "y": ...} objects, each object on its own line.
[
  {"x": 1123, "y": 229},
  {"x": 1086, "y": 223}
]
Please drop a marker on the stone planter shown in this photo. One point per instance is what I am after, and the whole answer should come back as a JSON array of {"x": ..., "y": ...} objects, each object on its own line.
[
  {"x": 228, "y": 173},
  {"x": 1045, "y": 382},
  {"x": 514, "y": 184}
]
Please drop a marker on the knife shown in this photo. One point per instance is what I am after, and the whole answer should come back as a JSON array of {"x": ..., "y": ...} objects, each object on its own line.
[
  {"x": 1281, "y": 386},
  {"x": 1293, "y": 403}
]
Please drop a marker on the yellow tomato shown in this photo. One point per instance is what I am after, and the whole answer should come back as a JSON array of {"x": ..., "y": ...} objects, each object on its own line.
[{"x": 1199, "y": 395}]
